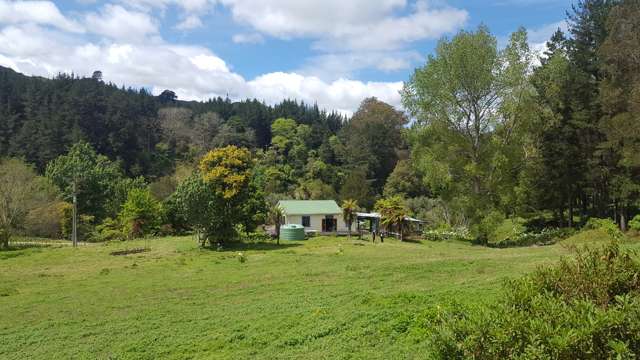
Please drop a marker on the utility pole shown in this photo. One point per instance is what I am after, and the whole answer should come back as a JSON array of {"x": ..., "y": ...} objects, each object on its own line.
[{"x": 74, "y": 225}]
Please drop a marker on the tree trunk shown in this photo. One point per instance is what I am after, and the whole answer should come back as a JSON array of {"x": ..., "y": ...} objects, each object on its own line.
[
  {"x": 278, "y": 234},
  {"x": 623, "y": 218},
  {"x": 571, "y": 211},
  {"x": 349, "y": 235}
]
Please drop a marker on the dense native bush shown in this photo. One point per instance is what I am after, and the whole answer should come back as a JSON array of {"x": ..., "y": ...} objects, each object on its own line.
[
  {"x": 584, "y": 308},
  {"x": 604, "y": 224}
]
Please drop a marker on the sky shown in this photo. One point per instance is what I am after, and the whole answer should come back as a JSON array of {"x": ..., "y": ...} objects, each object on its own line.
[{"x": 331, "y": 52}]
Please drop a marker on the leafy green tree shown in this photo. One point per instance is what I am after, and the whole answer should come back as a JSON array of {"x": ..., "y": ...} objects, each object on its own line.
[
  {"x": 620, "y": 99},
  {"x": 349, "y": 209},
  {"x": 473, "y": 104},
  {"x": 393, "y": 212},
  {"x": 141, "y": 214},
  {"x": 213, "y": 199},
  {"x": 356, "y": 186},
  {"x": 99, "y": 183},
  {"x": 404, "y": 181},
  {"x": 371, "y": 140}
]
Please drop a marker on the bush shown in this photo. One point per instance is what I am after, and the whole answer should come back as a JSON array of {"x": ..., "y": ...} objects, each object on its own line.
[
  {"x": 141, "y": 214},
  {"x": 545, "y": 237},
  {"x": 585, "y": 308},
  {"x": 604, "y": 224},
  {"x": 256, "y": 237},
  {"x": 508, "y": 229},
  {"x": 109, "y": 230},
  {"x": 634, "y": 224},
  {"x": 460, "y": 234},
  {"x": 46, "y": 221}
]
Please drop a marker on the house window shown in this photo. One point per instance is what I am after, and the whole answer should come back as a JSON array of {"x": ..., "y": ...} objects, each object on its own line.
[{"x": 306, "y": 221}]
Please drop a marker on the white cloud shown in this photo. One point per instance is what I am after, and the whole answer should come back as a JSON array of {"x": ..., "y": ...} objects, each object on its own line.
[
  {"x": 538, "y": 37},
  {"x": 336, "y": 65},
  {"x": 116, "y": 22},
  {"x": 354, "y": 24},
  {"x": 342, "y": 95},
  {"x": 190, "y": 22},
  {"x": 37, "y": 12},
  {"x": 253, "y": 38}
]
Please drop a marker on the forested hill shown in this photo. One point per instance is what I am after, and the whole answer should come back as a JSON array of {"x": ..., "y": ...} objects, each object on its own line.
[{"x": 41, "y": 118}]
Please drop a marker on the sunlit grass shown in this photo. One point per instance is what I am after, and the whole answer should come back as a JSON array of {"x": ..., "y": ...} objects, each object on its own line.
[{"x": 323, "y": 298}]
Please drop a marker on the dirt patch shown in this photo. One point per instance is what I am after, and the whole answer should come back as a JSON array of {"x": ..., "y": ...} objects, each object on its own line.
[{"x": 129, "y": 251}]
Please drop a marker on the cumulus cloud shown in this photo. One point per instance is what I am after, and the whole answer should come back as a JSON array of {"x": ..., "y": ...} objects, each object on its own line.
[
  {"x": 116, "y": 22},
  {"x": 354, "y": 24},
  {"x": 37, "y": 12}
]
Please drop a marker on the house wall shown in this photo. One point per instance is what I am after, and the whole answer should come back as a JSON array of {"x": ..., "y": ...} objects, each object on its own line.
[{"x": 316, "y": 221}]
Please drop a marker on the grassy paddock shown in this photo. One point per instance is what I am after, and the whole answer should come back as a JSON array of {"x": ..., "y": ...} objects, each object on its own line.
[{"x": 323, "y": 298}]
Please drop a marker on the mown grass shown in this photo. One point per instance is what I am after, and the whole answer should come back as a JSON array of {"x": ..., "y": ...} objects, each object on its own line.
[{"x": 325, "y": 298}]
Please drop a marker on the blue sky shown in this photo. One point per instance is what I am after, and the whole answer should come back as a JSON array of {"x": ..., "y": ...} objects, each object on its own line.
[{"x": 333, "y": 52}]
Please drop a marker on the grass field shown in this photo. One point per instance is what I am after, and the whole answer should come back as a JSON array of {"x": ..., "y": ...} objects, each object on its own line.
[{"x": 325, "y": 298}]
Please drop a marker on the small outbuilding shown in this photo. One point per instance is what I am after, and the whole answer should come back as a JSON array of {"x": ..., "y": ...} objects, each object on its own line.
[{"x": 319, "y": 216}]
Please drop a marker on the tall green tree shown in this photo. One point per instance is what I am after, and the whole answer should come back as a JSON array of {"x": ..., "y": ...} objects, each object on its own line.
[
  {"x": 620, "y": 99},
  {"x": 371, "y": 140},
  {"x": 473, "y": 103},
  {"x": 99, "y": 184}
]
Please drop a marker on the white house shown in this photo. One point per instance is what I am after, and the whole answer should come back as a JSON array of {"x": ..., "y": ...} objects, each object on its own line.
[{"x": 323, "y": 216}]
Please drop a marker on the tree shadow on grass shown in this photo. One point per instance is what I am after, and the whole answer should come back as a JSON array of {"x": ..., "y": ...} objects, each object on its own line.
[{"x": 260, "y": 246}]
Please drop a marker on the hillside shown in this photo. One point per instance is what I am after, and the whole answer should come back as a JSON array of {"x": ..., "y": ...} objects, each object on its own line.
[{"x": 41, "y": 118}]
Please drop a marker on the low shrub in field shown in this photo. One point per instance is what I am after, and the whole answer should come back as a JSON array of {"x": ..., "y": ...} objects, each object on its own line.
[
  {"x": 460, "y": 234},
  {"x": 109, "y": 230},
  {"x": 545, "y": 237},
  {"x": 256, "y": 237},
  {"x": 584, "y": 308},
  {"x": 605, "y": 224}
]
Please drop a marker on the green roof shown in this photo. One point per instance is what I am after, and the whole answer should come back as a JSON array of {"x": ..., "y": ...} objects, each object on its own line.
[{"x": 309, "y": 207}]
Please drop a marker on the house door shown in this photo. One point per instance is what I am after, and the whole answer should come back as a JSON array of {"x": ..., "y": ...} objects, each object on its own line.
[{"x": 329, "y": 224}]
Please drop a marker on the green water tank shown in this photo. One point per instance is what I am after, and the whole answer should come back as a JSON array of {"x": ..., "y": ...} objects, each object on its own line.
[{"x": 292, "y": 232}]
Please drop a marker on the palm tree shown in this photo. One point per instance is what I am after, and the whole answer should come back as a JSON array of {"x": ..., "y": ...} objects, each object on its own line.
[
  {"x": 393, "y": 212},
  {"x": 275, "y": 218},
  {"x": 349, "y": 208}
]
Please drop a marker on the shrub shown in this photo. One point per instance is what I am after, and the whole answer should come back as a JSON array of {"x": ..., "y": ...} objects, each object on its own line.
[
  {"x": 605, "y": 224},
  {"x": 109, "y": 230},
  {"x": 488, "y": 226},
  {"x": 141, "y": 214},
  {"x": 46, "y": 221},
  {"x": 544, "y": 237},
  {"x": 460, "y": 234},
  {"x": 507, "y": 229},
  {"x": 256, "y": 237},
  {"x": 585, "y": 308},
  {"x": 634, "y": 224}
]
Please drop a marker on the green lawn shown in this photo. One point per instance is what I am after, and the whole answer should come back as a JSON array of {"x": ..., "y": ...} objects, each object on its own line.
[{"x": 326, "y": 298}]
